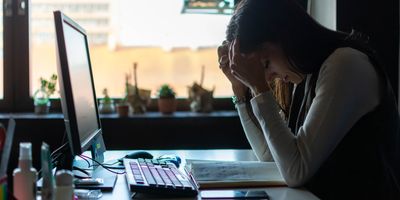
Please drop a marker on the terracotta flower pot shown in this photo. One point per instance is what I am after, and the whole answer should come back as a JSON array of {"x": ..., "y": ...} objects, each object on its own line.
[
  {"x": 167, "y": 105},
  {"x": 123, "y": 110}
]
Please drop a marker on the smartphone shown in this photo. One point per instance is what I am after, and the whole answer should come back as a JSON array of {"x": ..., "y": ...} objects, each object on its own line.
[{"x": 234, "y": 194}]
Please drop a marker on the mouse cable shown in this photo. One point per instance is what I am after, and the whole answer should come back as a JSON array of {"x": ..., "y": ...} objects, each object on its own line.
[
  {"x": 105, "y": 167},
  {"x": 108, "y": 165}
]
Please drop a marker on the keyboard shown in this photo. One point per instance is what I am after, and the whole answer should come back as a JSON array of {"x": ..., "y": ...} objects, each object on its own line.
[{"x": 158, "y": 177}]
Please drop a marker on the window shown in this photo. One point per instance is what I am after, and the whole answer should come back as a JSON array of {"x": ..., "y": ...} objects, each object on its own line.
[{"x": 168, "y": 45}]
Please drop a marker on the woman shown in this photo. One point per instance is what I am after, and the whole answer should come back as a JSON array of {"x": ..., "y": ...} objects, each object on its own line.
[{"x": 339, "y": 134}]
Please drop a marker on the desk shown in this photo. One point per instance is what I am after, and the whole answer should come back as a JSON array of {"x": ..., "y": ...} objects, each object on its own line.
[{"x": 121, "y": 191}]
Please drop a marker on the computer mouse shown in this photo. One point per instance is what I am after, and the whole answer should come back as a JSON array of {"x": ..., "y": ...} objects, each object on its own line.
[{"x": 139, "y": 154}]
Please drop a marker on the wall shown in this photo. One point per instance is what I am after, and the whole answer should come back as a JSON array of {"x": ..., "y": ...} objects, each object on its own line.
[
  {"x": 379, "y": 20},
  {"x": 324, "y": 11}
]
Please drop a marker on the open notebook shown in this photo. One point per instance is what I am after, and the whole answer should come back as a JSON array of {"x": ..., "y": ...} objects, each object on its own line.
[{"x": 230, "y": 174}]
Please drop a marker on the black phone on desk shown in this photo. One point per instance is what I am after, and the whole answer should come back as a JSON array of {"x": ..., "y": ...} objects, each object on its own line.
[{"x": 234, "y": 194}]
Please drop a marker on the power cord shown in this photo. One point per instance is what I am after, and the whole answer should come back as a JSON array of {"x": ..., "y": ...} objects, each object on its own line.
[{"x": 108, "y": 168}]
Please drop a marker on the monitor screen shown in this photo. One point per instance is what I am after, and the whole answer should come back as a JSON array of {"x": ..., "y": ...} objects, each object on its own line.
[
  {"x": 81, "y": 83},
  {"x": 78, "y": 96}
]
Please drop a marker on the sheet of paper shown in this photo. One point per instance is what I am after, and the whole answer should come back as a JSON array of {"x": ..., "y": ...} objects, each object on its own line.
[{"x": 234, "y": 171}]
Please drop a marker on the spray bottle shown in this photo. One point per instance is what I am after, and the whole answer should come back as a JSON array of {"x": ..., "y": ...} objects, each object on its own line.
[{"x": 25, "y": 176}]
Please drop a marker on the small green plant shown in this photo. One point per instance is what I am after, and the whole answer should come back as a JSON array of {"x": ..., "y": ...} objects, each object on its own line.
[
  {"x": 49, "y": 86},
  {"x": 165, "y": 91},
  {"x": 107, "y": 99}
]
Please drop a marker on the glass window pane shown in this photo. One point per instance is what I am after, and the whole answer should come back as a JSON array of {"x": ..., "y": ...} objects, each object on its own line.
[{"x": 168, "y": 45}]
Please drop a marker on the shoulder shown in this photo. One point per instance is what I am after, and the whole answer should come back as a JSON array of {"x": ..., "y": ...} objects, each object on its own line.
[
  {"x": 348, "y": 65},
  {"x": 347, "y": 60},
  {"x": 349, "y": 73}
]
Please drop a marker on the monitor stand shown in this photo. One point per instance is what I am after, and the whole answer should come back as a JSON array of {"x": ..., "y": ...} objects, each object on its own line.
[
  {"x": 68, "y": 161},
  {"x": 108, "y": 178}
]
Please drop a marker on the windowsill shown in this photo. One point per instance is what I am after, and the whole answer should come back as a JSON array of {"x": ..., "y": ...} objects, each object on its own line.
[
  {"x": 153, "y": 130},
  {"x": 150, "y": 115}
]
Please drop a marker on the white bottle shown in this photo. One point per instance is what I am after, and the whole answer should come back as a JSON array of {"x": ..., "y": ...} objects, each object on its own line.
[
  {"x": 25, "y": 176},
  {"x": 65, "y": 185}
]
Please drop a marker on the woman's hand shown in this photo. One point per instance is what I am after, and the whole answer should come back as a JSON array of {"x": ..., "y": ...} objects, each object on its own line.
[
  {"x": 239, "y": 89},
  {"x": 249, "y": 69}
]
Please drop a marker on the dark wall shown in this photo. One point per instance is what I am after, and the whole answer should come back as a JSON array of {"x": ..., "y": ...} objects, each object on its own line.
[
  {"x": 379, "y": 20},
  {"x": 155, "y": 132}
]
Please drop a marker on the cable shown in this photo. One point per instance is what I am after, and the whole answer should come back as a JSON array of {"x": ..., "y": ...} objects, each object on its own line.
[
  {"x": 87, "y": 161},
  {"x": 104, "y": 165},
  {"x": 63, "y": 144},
  {"x": 100, "y": 164},
  {"x": 58, "y": 149},
  {"x": 110, "y": 165},
  {"x": 55, "y": 155}
]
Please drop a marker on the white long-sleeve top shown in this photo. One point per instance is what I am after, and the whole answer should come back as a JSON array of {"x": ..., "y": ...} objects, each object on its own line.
[{"x": 347, "y": 88}]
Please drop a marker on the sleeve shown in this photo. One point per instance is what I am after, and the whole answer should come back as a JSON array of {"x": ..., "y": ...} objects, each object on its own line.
[
  {"x": 254, "y": 134},
  {"x": 346, "y": 90}
]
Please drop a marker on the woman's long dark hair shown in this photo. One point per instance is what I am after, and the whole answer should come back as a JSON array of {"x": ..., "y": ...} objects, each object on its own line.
[{"x": 305, "y": 42}]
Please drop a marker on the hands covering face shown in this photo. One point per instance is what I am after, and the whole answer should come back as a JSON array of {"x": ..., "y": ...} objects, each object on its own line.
[
  {"x": 224, "y": 64},
  {"x": 242, "y": 70}
]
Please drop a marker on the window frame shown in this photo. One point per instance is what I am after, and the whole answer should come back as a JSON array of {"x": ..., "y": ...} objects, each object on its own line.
[
  {"x": 6, "y": 102},
  {"x": 16, "y": 56},
  {"x": 17, "y": 83}
]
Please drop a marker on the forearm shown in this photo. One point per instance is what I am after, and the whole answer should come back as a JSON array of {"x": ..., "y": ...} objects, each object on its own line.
[
  {"x": 284, "y": 146},
  {"x": 254, "y": 134}
]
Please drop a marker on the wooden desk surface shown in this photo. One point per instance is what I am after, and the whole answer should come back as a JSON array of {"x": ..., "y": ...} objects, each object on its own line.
[{"x": 121, "y": 191}]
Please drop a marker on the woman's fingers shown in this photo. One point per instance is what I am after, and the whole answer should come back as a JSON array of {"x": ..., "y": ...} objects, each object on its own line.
[
  {"x": 223, "y": 61},
  {"x": 223, "y": 51},
  {"x": 237, "y": 58},
  {"x": 247, "y": 68}
]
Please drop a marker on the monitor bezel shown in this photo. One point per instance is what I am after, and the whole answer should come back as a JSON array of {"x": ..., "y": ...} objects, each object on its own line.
[{"x": 67, "y": 101}]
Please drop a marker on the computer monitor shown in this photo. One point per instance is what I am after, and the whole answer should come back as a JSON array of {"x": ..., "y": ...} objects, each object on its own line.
[{"x": 78, "y": 98}]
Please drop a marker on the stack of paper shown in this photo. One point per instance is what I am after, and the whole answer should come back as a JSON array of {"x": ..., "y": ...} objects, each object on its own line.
[{"x": 229, "y": 174}]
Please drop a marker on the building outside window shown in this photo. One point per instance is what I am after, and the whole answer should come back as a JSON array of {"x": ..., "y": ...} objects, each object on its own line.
[{"x": 169, "y": 46}]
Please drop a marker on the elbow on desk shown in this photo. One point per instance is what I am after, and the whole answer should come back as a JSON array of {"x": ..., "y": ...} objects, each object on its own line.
[
  {"x": 294, "y": 182},
  {"x": 296, "y": 177}
]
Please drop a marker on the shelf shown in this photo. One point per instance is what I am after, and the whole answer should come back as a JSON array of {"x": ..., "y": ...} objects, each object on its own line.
[{"x": 150, "y": 115}]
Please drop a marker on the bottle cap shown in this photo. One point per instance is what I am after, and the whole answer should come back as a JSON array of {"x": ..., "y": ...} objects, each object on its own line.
[
  {"x": 25, "y": 151},
  {"x": 64, "y": 178}
]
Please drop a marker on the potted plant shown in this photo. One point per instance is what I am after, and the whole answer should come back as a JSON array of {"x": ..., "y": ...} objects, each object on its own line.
[
  {"x": 123, "y": 108},
  {"x": 41, "y": 97},
  {"x": 106, "y": 105},
  {"x": 166, "y": 99}
]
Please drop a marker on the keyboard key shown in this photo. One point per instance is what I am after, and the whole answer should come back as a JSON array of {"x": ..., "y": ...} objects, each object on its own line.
[
  {"x": 138, "y": 177},
  {"x": 136, "y": 171},
  {"x": 173, "y": 178},
  {"x": 149, "y": 177},
  {"x": 133, "y": 164},
  {"x": 157, "y": 177},
  {"x": 165, "y": 177},
  {"x": 186, "y": 184}
]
